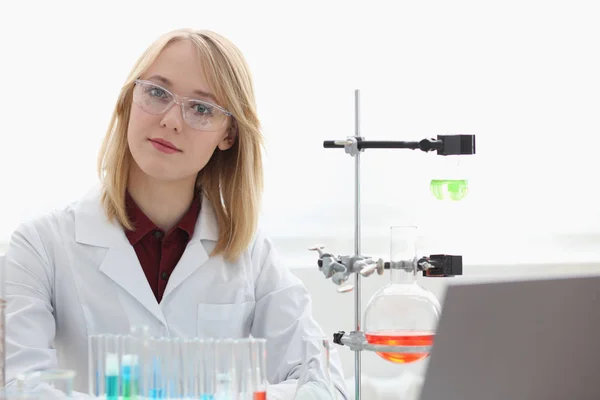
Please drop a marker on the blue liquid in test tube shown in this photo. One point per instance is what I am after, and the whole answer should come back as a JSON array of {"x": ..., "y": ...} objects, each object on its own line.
[
  {"x": 130, "y": 380},
  {"x": 112, "y": 377}
]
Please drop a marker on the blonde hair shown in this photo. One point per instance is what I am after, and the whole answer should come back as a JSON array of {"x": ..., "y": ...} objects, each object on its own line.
[{"x": 233, "y": 179}]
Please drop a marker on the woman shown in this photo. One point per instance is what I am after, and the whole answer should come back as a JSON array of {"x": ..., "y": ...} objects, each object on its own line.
[{"x": 169, "y": 239}]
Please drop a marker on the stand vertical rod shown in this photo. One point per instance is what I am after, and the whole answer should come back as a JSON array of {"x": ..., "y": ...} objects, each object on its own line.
[{"x": 357, "y": 250}]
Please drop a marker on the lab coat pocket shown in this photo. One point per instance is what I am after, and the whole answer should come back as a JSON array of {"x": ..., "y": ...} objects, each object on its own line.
[{"x": 225, "y": 320}]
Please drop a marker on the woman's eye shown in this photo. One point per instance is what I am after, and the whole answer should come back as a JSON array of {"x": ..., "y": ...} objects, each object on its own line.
[
  {"x": 157, "y": 92},
  {"x": 201, "y": 108}
]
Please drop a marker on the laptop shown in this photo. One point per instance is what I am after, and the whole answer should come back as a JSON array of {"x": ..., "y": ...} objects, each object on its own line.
[{"x": 517, "y": 340}]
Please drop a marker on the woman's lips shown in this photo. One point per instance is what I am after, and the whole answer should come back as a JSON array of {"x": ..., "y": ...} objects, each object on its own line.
[{"x": 164, "y": 146}]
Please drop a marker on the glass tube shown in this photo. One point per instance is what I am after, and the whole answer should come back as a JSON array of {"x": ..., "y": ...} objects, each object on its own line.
[
  {"x": 258, "y": 367},
  {"x": 225, "y": 370},
  {"x": 208, "y": 377},
  {"x": 159, "y": 367},
  {"x": 144, "y": 352},
  {"x": 104, "y": 365},
  {"x": 130, "y": 369},
  {"x": 112, "y": 366},
  {"x": 96, "y": 368},
  {"x": 174, "y": 362},
  {"x": 190, "y": 364},
  {"x": 243, "y": 368}
]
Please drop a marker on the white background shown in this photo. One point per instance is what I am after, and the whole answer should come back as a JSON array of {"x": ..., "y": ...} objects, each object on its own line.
[{"x": 523, "y": 76}]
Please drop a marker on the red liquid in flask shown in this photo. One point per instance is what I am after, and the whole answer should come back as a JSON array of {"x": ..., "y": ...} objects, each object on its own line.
[
  {"x": 404, "y": 339},
  {"x": 260, "y": 396}
]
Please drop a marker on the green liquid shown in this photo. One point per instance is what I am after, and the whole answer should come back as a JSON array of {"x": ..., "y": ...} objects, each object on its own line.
[
  {"x": 130, "y": 390},
  {"x": 449, "y": 189}
]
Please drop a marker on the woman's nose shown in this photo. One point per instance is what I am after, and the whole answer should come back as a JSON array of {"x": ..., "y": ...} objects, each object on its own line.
[{"x": 173, "y": 117}]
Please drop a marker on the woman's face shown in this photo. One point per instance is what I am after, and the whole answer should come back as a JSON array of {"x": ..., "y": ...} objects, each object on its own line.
[{"x": 163, "y": 145}]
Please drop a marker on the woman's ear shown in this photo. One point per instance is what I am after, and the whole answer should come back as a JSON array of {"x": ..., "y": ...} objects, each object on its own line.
[{"x": 230, "y": 138}]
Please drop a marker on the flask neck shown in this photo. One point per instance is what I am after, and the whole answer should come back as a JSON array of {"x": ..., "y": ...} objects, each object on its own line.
[{"x": 404, "y": 272}]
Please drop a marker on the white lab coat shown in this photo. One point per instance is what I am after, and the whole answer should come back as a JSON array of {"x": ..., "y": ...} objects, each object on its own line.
[{"x": 71, "y": 273}]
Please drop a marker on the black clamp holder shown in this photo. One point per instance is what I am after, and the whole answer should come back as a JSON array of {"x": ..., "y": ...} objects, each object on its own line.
[{"x": 445, "y": 145}]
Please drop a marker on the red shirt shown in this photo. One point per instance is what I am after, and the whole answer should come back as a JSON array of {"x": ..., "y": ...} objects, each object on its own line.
[{"x": 158, "y": 251}]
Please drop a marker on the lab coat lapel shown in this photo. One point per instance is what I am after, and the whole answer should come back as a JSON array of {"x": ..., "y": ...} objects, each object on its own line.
[
  {"x": 120, "y": 262},
  {"x": 198, "y": 248}
]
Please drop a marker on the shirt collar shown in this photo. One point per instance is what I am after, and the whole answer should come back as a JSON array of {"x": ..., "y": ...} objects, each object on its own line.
[{"x": 143, "y": 225}]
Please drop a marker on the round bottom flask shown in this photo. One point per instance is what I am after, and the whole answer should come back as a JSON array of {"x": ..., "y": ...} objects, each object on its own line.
[{"x": 402, "y": 314}]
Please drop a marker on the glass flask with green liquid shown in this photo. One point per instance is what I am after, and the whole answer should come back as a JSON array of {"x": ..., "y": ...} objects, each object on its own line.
[{"x": 449, "y": 183}]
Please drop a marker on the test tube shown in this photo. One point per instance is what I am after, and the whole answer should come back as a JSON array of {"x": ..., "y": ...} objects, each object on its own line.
[
  {"x": 130, "y": 369},
  {"x": 225, "y": 369},
  {"x": 96, "y": 361},
  {"x": 207, "y": 386},
  {"x": 190, "y": 365},
  {"x": 158, "y": 366},
  {"x": 144, "y": 352},
  {"x": 243, "y": 369},
  {"x": 258, "y": 359},
  {"x": 112, "y": 366},
  {"x": 175, "y": 368},
  {"x": 103, "y": 365}
]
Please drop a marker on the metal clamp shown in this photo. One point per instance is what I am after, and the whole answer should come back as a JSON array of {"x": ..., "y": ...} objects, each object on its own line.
[
  {"x": 339, "y": 268},
  {"x": 357, "y": 341},
  {"x": 350, "y": 145}
]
